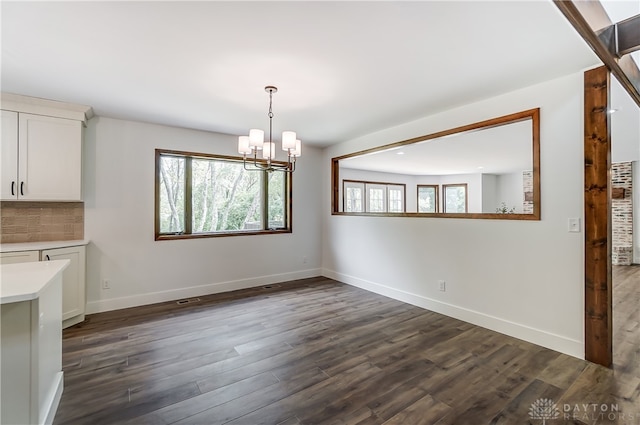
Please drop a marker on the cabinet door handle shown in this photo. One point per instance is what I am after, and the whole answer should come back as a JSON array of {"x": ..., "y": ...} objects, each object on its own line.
[
  {"x": 21, "y": 188},
  {"x": 13, "y": 188},
  {"x": 47, "y": 257}
]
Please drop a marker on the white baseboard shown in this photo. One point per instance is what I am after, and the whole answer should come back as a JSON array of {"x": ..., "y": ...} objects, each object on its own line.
[
  {"x": 53, "y": 400},
  {"x": 195, "y": 291},
  {"x": 555, "y": 342}
]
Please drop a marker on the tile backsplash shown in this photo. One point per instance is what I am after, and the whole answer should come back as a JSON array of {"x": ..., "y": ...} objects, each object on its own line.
[{"x": 41, "y": 221}]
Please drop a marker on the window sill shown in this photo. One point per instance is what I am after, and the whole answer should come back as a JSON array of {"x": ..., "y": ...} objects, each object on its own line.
[{"x": 168, "y": 237}]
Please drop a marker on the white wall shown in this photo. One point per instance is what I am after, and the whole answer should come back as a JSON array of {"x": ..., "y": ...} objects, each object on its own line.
[
  {"x": 490, "y": 192},
  {"x": 510, "y": 191},
  {"x": 119, "y": 221},
  {"x": 625, "y": 125},
  {"x": 625, "y": 147},
  {"x": 522, "y": 278}
]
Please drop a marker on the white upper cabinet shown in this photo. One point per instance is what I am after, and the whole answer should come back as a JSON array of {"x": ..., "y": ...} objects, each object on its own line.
[
  {"x": 41, "y": 151},
  {"x": 9, "y": 158},
  {"x": 49, "y": 158}
]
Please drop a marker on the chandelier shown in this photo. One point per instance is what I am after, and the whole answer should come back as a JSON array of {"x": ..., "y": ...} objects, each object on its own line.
[{"x": 254, "y": 142}]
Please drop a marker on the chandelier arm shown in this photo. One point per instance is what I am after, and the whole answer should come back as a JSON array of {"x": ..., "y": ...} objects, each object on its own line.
[{"x": 289, "y": 167}]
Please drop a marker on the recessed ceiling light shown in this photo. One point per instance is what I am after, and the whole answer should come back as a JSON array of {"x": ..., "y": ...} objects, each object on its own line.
[{"x": 400, "y": 153}]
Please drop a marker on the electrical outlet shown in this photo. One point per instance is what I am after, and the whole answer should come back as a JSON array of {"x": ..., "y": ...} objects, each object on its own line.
[
  {"x": 442, "y": 285},
  {"x": 106, "y": 284},
  {"x": 574, "y": 225}
]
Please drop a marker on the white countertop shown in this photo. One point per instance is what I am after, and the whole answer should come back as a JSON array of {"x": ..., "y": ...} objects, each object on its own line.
[
  {"x": 39, "y": 246},
  {"x": 25, "y": 281}
]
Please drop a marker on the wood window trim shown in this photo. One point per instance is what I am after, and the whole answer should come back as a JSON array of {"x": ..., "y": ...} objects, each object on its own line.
[
  {"x": 436, "y": 188},
  {"x": 365, "y": 195},
  {"x": 404, "y": 197},
  {"x": 344, "y": 193},
  {"x": 288, "y": 210},
  {"x": 444, "y": 196},
  {"x": 532, "y": 114}
]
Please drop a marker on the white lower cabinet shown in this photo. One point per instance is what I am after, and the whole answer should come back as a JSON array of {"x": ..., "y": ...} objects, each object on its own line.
[
  {"x": 19, "y": 257},
  {"x": 73, "y": 282},
  {"x": 73, "y": 279},
  {"x": 31, "y": 381}
]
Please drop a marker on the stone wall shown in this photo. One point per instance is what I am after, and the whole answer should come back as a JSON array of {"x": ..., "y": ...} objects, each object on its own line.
[
  {"x": 622, "y": 214},
  {"x": 527, "y": 184}
]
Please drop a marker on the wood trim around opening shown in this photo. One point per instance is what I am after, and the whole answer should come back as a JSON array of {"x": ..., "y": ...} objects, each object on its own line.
[{"x": 531, "y": 114}]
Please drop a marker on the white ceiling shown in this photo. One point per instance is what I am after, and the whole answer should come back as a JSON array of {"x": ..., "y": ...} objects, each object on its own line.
[
  {"x": 496, "y": 150},
  {"x": 343, "y": 69}
]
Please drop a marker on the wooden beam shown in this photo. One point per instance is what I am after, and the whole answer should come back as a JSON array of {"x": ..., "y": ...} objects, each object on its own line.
[
  {"x": 591, "y": 21},
  {"x": 597, "y": 217}
]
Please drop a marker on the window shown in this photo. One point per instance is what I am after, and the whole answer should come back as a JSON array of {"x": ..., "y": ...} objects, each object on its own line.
[
  {"x": 353, "y": 196},
  {"x": 208, "y": 195},
  {"x": 455, "y": 198},
  {"x": 376, "y": 197},
  {"x": 427, "y": 198},
  {"x": 395, "y": 196}
]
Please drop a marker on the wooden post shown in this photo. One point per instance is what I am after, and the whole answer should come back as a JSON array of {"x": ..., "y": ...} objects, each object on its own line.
[{"x": 597, "y": 217}]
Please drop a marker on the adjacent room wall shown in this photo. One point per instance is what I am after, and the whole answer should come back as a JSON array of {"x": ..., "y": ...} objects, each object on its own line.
[
  {"x": 522, "y": 278},
  {"x": 625, "y": 147},
  {"x": 119, "y": 221}
]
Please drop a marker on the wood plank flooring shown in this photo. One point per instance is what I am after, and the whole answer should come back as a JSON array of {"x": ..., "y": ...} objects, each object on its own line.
[{"x": 316, "y": 351}]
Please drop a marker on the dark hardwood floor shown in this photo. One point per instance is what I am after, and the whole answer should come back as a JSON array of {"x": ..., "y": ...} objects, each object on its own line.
[{"x": 317, "y": 351}]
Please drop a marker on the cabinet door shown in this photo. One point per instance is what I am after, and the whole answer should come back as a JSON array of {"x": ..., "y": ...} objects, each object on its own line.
[
  {"x": 19, "y": 257},
  {"x": 9, "y": 159},
  {"x": 73, "y": 278},
  {"x": 49, "y": 158}
]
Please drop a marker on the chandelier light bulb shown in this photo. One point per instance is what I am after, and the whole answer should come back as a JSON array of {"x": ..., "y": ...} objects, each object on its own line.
[
  {"x": 298, "y": 150},
  {"x": 288, "y": 140},
  {"x": 243, "y": 145},
  {"x": 269, "y": 150},
  {"x": 256, "y": 138}
]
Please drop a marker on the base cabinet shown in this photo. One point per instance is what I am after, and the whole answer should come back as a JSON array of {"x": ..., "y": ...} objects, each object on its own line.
[
  {"x": 73, "y": 279},
  {"x": 31, "y": 358},
  {"x": 19, "y": 257}
]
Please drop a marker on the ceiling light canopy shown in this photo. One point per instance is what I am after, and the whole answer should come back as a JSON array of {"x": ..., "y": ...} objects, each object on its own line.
[{"x": 255, "y": 142}]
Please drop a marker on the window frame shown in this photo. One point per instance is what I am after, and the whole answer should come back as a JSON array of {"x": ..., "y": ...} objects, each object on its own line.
[
  {"x": 365, "y": 196},
  {"x": 376, "y": 186},
  {"x": 188, "y": 217},
  {"x": 532, "y": 115},
  {"x": 347, "y": 184},
  {"x": 403, "y": 193},
  {"x": 444, "y": 197},
  {"x": 436, "y": 189}
]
